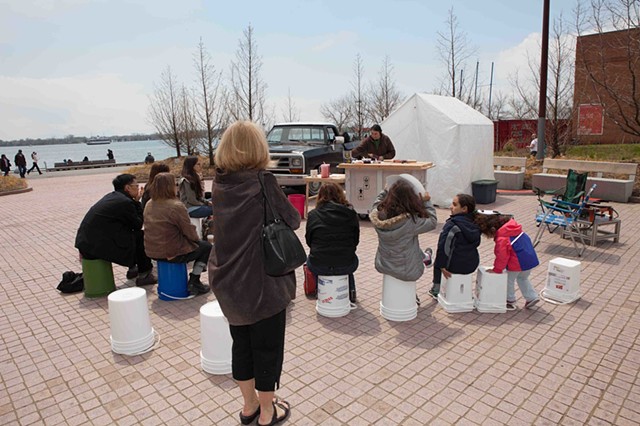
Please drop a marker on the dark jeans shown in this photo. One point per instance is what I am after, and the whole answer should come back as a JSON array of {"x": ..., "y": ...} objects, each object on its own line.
[
  {"x": 200, "y": 211},
  {"x": 335, "y": 270},
  {"x": 22, "y": 170},
  {"x": 201, "y": 254},
  {"x": 437, "y": 278}
]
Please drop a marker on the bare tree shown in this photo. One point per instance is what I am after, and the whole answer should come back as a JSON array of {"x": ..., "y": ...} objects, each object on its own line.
[
  {"x": 611, "y": 65},
  {"x": 189, "y": 138},
  {"x": 247, "y": 97},
  {"x": 358, "y": 96},
  {"x": 340, "y": 111},
  {"x": 209, "y": 98},
  {"x": 559, "y": 89},
  {"x": 498, "y": 106},
  {"x": 454, "y": 49},
  {"x": 164, "y": 109},
  {"x": 290, "y": 113},
  {"x": 383, "y": 94}
]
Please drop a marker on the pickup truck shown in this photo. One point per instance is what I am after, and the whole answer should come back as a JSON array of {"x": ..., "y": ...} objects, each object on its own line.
[{"x": 298, "y": 148}]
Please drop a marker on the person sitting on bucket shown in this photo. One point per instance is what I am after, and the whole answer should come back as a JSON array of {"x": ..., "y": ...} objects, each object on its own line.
[
  {"x": 458, "y": 242},
  {"x": 401, "y": 213},
  {"x": 112, "y": 230}
]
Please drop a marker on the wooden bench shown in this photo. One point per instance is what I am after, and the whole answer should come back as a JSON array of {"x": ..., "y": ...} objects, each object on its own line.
[
  {"x": 609, "y": 188},
  {"x": 509, "y": 179},
  {"x": 95, "y": 164}
]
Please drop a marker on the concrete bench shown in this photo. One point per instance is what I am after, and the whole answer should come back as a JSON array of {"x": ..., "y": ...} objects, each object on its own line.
[
  {"x": 96, "y": 164},
  {"x": 609, "y": 188},
  {"x": 509, "y": 179}
]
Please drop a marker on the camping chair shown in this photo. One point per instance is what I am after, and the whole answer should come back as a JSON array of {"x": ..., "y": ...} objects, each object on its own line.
[
  {"x": 573, "y": 190},
  {"x": 565, "y": 215}
]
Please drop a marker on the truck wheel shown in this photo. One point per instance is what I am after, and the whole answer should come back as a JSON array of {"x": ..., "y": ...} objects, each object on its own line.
[{"x": 314, "y": 188}]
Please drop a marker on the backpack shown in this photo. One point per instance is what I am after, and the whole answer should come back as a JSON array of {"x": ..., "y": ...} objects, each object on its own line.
[
  {"x": 71, "y": 282},
  {"x": 525, "y": 252}
]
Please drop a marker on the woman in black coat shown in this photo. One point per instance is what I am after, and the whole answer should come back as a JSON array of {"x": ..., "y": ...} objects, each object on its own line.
[{"x": 332, "y": 234}]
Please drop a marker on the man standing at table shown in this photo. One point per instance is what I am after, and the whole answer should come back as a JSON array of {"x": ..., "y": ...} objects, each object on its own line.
[{"x": 377, "y": 146}]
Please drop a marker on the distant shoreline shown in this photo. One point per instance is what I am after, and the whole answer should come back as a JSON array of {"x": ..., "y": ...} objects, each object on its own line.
[{"x": 62, "y": 142}]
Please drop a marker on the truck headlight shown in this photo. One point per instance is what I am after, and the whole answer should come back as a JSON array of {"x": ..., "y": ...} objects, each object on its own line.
[{"x": 296, "y": 161}]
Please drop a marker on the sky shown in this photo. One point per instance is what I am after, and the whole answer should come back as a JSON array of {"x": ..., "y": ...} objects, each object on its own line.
[{"x": 88, "y": 67}]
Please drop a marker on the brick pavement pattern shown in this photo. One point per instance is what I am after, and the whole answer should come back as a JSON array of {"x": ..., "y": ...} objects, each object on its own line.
[{"x": 557, "y": 364}]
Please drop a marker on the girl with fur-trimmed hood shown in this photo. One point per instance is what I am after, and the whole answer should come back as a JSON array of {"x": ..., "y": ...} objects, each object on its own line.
[{"x": 399, "y": 215}]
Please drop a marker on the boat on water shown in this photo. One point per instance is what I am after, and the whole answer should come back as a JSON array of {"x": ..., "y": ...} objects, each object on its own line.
[{"x": 98, "y": 141}]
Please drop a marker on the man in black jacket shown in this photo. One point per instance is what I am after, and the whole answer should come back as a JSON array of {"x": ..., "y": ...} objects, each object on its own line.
[{"x": 112, "y": 230}]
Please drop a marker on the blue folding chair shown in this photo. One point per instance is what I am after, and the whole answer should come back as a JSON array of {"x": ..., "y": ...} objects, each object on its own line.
[{"x": 565, "y": 215}]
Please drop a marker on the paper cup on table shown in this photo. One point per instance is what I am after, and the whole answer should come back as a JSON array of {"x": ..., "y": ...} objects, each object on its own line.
[{"x": 314, "y": 173}]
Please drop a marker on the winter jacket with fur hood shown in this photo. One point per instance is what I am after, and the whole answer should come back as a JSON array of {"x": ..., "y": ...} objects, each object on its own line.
[{"x": 399, "y": 253}]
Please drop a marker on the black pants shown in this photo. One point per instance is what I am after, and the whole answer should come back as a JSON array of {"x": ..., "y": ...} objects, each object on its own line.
[
  {"x": 201, "y": 254},
  {"x": 258, "y": 351},
  {"x": 142, "y": 260},
  {"x": 35, "y": 166}
]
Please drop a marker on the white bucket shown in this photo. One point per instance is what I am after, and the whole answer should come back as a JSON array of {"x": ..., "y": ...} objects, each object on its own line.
[
  {"x": 455, "y": 293},
  {"x": 215, "y": 338},
  {"x": 491, "y": 291},
  {"x": 131, "y": 331},
  {"x": 333, "y": 296},
  {"x": 563, "y": 280},
  {"x": 398, "y": 299}
]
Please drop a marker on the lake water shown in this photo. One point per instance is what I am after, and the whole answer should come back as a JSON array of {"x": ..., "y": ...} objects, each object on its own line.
[{"x": 124, "y": 152}]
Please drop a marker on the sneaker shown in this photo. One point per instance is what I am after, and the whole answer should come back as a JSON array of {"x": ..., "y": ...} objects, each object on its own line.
[
  {"x": 195, "y": 287},
  {"x": 427, "y": 257},
  {"x": 417, "y": 300},
  {"x": 511, "y": 306},
  {"x": 433, "y": 294},
  {"x": 529, "y": 304},
  {"x": 148, "y": 279},
  {"x": 132, "y": 272}
]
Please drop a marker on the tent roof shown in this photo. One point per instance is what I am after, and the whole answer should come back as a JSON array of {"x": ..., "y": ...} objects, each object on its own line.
[{"x": 450, "y": 109}]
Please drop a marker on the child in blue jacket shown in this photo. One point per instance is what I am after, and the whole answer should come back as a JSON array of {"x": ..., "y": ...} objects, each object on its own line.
[
  {"x": 514, "y": 252},
  {"x": 458, "y": 242}
]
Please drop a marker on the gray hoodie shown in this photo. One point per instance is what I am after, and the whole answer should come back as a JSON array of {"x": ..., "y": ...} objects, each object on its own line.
[{"x": 399, "y": 253}]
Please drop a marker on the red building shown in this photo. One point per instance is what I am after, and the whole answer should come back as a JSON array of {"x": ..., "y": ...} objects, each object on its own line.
[{"x": 607, "y": 92}]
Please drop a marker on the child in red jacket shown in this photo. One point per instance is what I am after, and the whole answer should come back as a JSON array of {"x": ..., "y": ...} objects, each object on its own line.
[{"x": 514, "y": 252}]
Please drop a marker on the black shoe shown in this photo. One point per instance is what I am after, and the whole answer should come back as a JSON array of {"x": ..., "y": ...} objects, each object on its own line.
[
  {"x": 149, "y": 279},
  {"x": 195, "y": 287},
  {"x": 433, "y": 294},
  {"x": 132, "y": 272}
]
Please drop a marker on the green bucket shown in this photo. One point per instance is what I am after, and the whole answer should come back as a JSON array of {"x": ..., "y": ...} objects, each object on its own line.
[{"x": 98, "y": 278}]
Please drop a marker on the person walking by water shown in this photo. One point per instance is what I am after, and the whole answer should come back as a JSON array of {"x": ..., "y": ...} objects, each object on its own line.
[
  {"x": 149, "y": 159},
  {"x": 34, "y": 158},
  {"x": 21, "y": 163},
  {"x": 5, "y": 165},
  {"x": 110, "y": 154}
]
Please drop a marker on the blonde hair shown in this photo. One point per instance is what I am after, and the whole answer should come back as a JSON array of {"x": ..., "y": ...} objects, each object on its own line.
[{"x": 243, "y": 147}]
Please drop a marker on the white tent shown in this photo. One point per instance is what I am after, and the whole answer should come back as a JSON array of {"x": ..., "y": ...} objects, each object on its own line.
[{"x": 455, "y": 137}]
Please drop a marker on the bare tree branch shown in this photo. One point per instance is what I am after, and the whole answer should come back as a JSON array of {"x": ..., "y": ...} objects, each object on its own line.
[{"x": 164, "y": 110}]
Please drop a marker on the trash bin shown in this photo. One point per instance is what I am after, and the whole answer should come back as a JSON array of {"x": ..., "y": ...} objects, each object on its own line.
[{"x": 484, "y": 191}]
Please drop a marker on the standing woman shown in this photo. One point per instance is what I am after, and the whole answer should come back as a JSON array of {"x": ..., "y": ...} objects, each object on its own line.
[
  {"x": 192, "y": 189},
  {"x": 253, "y": 302}
]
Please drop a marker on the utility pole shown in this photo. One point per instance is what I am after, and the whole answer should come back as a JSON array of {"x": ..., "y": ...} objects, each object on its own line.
[{"x": 542, "y": 103}]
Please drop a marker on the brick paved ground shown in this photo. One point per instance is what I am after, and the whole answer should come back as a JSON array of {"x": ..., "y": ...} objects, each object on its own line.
[{"x": 572, "y": 364}]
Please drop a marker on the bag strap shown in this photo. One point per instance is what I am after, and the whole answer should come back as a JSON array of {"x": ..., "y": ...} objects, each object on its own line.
[
  {"x": 276, "y": 218},
  {"x": 516, "y": 238}
]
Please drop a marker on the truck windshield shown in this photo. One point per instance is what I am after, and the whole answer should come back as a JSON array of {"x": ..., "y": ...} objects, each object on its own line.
[{"x": 296, "y": 135}]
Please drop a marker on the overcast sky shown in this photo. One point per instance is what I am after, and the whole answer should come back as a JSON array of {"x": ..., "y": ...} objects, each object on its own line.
[{"x": 87, "y": 67}]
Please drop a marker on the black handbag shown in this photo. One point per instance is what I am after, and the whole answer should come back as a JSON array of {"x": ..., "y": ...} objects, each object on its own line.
[{"x": 282, "y": 251}]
